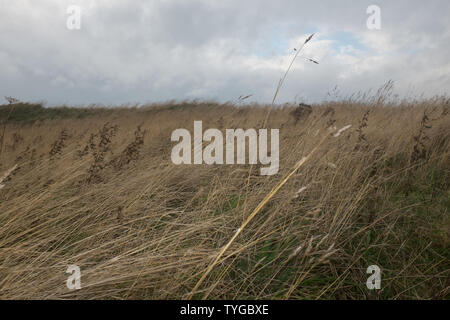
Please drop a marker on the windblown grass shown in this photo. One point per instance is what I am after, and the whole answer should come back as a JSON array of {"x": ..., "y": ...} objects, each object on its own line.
[{"x": 101, "y": 192}]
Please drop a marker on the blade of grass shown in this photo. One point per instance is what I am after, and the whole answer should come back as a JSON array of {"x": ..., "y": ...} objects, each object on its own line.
[{"x": 254, "y": 213}]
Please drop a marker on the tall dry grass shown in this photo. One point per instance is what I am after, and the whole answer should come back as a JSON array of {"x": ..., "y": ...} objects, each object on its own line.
[{"x": 101, "y": 192}]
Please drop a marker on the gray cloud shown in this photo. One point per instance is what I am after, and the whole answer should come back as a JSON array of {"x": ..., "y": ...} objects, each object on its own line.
[{"x": 144, "y": 51}]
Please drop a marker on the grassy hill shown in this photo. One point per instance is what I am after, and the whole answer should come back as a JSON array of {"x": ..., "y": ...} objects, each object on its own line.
[{"x": 96, "y": 187}]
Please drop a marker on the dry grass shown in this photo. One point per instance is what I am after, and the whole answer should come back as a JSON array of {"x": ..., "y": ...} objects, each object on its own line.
[
  {"x": 6, "y": 175},
  {"x": 102, "y": 193}
]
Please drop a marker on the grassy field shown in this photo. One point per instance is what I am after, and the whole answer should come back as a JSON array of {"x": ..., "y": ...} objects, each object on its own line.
[{"x": 96, "y": 187}]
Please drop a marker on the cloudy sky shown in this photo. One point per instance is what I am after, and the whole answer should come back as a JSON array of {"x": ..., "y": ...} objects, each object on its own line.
[{"x": 135, "y": 51}]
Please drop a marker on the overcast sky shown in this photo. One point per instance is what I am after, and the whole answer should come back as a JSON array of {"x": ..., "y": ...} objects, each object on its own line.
[{"x": 135, "y": 51}]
